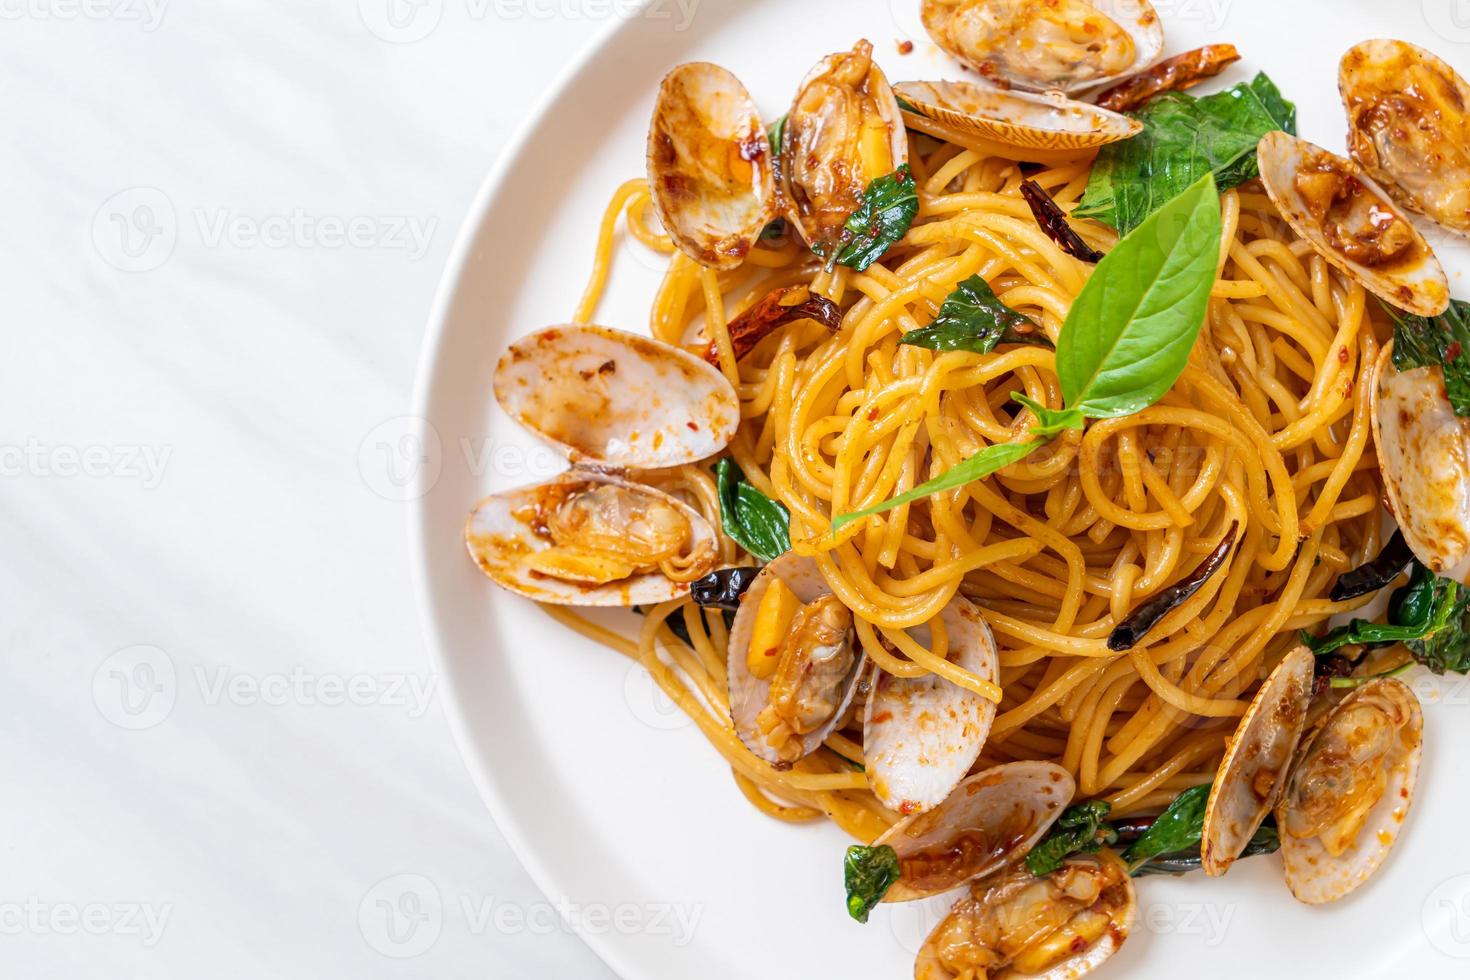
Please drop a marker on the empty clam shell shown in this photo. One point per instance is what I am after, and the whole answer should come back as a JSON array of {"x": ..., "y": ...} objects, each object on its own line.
[
  {"x": 922, "y": 734},
  {"x": 1064, "y": 45},
  {"x": 844, "y": 130},
  {"x": 751, "y": 695},
  {"x": 1013, "y": 925},
  {"x": 1350, "y": 222},
  {"x": 511, "y": 536},
  {"x": 1409, "y": 126},
  {"x": 1424, "y": 456},
  {"x": 1253, "y": 773},
  {"x": 990, "y": 820},
  {"x": 1045, "y": 126},
  {"x": 709, "y": 165},
  {"x": 1350, "y": 792},
  {"x": 615, "y": 400}
]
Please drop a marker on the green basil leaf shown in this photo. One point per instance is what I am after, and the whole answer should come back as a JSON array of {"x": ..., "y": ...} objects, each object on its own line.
[
  {"x": 868, "y": 873},
  {"x": 889, "y": 207},
  {"x": 983, "y": 463},
  {"x": 972, "y": 318},
  {"x": 1443, "y": 342},
  {"x": 1179, "y": 828},
  {"x": 757, "y": 523},
  {"x": 1079, "y": 830},
  {"x": 776, "y": 136},
  {"x": 1129, "y": 333},
  {"x": 1183, "y": 138},
  {"x": 1266, "y": 840},
  {"x": 1049, "y": 421},
  {"x": 1419, "y": 611}
]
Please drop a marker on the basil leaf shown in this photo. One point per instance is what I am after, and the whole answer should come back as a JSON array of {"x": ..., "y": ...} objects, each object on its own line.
[
  {"x": 983, "y": 463},
  {"x": 1183, "y": 138},
  {"x": 1266, "y": 840},
  {"x": 868, "y": 873},
  {"x": 776, "y": 136},
  {"x": 1418, "y": 611},
  {"x": 972, "y": 318},
  {"x": 1445, "y": 646},
  {"x": 889, "y": 206},
  {"x": 757, "y": 523},
  {"x": 1179, "y": 828},
  {"x": 1079, "y": 830},
  {"x": 1443, "y": 342},
  {"x": 1129, "y": 333}
]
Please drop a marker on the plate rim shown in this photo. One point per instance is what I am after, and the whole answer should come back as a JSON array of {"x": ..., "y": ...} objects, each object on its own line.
[{"x": 452, "y": 693}]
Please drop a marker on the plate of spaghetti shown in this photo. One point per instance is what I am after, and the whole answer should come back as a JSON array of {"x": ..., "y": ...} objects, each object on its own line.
[{"x": 967, "y": 488}]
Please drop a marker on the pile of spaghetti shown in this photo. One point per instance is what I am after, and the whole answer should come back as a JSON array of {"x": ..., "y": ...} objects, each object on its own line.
[{"x": 1267, "y": 430}]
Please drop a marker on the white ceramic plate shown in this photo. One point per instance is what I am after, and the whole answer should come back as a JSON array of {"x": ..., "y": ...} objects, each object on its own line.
[{"x": 611, "y": 798}]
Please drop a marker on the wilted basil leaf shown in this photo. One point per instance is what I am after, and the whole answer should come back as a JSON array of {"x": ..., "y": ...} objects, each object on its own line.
[
  {"x": 1420, "y": 611},
  {"x": 972, "y": 318},
  {"x": 1079, "y": 830},
  {"x": 868, "y": 873},
  {"x": 889, "y": 207},
  {"x": 757, "y": 523},
  {"x": 1442, "y": 341},
  {"x": 1183, "y": 138},
  {"x": 1266, "y": 840},
  {"x": 1179, "y": 828}
]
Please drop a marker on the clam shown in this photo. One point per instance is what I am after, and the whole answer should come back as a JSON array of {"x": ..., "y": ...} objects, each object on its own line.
[
  {"x": 1349, "y": 220},
  {"x": 922, "y": 734},
  {"x": 1049, "y": 126},
  {"x": 609, "y": 401},
  {"x": 844, "y": 131},
  {"x": 794, "y": 666},
  {"x": 615, "y": 400},
  {"x": 590, "y": 539},
  {"x": 1424, "y": 455},
  {"x": 1350, "y": 792},
  {"x": 709, "y": 165},
  {"x": 1012, "y": 925},
  {"x": 1408, "y": 127},
  {"x": 1063, "y": 45},
  {"x": 1253, "y": 774},
  {"x": 988, "y": 821}
]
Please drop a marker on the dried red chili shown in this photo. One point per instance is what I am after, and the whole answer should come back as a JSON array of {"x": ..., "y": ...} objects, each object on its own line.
[
  {"x": 1053, "y": 221},
  {"x": 773, "y": 311},
  {"x": 1132, "y": 629},
  {"x": 1170, "y": 75}
]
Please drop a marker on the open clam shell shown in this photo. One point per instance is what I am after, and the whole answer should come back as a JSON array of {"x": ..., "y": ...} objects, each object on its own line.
[
  {"x": 1013, "y": 925},
  {"x": 1062, "y": 45},
  {"x": 844, "y": 130},
  {"x": 1253, "y": 774},
  {"x": 990, "y": 820},
  {"x": 615, "y": 400},
  {"x": 505, "y": 532},
  {"x": 1048, "y": 126},
  {"x": 1411, "y": 279},
  {"x": 1335, "y": 833},
  {"x": 750, "y": 695},
  {"x": 922, "y": 734},
  {"x": 710, "y": 170},
  {"x": 1424, "y": 456},
  {"x": 1409, "y": 126}
]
